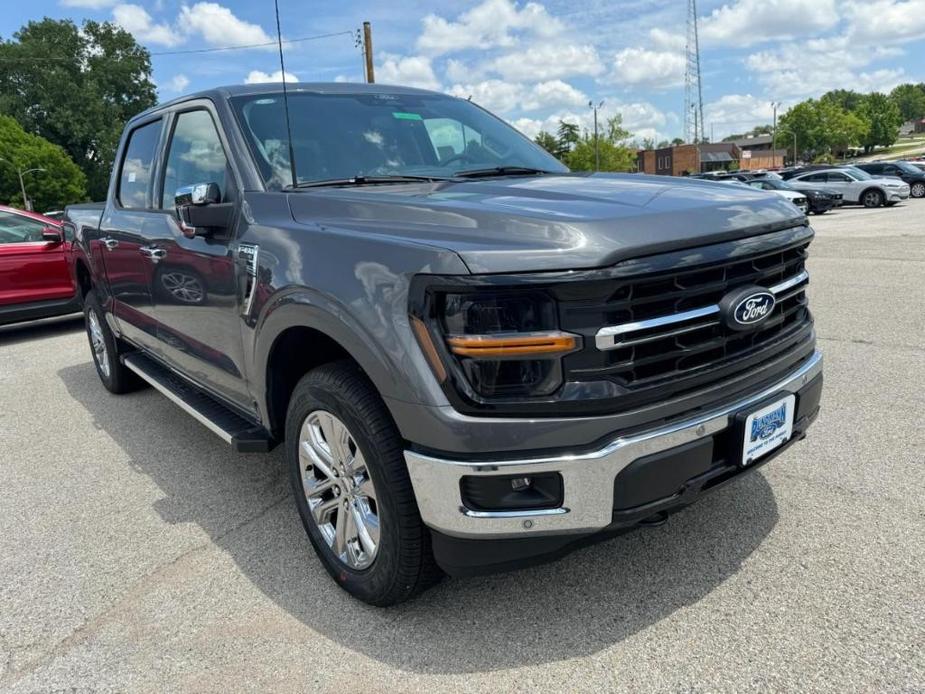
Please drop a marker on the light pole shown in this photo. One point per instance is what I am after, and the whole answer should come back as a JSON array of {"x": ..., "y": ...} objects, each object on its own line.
[
  {"x": 775, "y": 105},
  {"x": 22, "y": 185},
  {"x": 597, "y": 154}
]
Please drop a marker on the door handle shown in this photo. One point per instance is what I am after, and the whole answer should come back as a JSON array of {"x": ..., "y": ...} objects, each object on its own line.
[
  {"x": 110, "y": 243},
  {"x": 153, "y": 253}
]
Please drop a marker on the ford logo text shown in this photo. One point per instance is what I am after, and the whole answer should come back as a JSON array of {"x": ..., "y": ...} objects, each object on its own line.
[{"x": 754, "y": 308}]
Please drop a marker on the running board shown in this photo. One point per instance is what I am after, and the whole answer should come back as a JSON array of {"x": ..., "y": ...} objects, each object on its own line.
[{"x": 242, "y": 435}]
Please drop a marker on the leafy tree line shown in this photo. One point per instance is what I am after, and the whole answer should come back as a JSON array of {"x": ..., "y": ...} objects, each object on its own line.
[
  {"x": 71, "y": 89},
  {"x": 576, "y": 149},
  {"x": 842, "y": 120}
]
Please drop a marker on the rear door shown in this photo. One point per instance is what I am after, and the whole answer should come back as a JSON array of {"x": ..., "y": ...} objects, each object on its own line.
[
  {"x": 31, "y": 270},
  {"x": 126, "y": 223},
  {"x": 194, "y": 283}
]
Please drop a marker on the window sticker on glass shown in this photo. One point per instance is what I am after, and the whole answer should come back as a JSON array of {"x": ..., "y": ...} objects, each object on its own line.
[{"x": 401, "y": 115}]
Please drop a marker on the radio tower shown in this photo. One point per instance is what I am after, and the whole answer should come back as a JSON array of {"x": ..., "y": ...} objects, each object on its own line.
[{"x": 693, "y": 95}]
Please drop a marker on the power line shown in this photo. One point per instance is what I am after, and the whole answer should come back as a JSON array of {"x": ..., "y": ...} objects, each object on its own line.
[{"x": 196, "y": 50}]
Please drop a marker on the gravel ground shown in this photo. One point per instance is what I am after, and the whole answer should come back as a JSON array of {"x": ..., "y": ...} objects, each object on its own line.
[{"x": 138, "y": 554}]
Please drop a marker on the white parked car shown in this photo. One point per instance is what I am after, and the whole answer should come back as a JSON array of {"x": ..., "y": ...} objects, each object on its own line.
[
  {"x": 858, "y": 186},
  {"x": 793, "y": 196}
]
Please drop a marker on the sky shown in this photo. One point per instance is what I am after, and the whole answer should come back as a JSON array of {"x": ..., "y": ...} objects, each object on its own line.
[{"x": 535, "y": 63}]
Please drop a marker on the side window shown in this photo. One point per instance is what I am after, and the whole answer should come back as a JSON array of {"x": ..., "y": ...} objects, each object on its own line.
[
  {"x": 15, "y": 228},
  {"x": 135, "y": 176},
  {"x": 838, "y": 178},
  {"x": 814, "y": 178},
  {"x": 195, "y": 156}
]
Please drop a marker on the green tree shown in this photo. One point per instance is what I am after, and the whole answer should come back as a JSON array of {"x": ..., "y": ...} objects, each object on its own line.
[
  {"x": 677, "y": 141},
  {"x": 60, "y": 184},
  {"x": 823, "y": 126},
  {"x": 882, "y": 118},
  {"x": 848, "y": 99},
  {"x": 615, "y": 132},
  {"x": 547, "y": 141},
  {"x": 569, "y": 135},
  {"x": 613, "y": 157},
  {"x": 76, "y": 87},
  {"x": 910, "y": 99}
]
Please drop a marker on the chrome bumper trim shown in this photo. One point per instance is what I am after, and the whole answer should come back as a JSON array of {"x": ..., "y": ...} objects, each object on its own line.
[{"x": 587, "y": 477}]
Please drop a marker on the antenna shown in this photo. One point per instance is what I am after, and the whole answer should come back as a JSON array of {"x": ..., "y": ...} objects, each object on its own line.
[
  {"x": 282, "y": 71},
  {"x": 693, "y": 93}
]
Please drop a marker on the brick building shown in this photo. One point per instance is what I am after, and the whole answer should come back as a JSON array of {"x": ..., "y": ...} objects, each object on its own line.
[{"x": 684, "y": 160}]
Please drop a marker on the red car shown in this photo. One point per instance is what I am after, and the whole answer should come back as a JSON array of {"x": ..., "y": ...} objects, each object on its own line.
[{"x": 35, "y": 274}]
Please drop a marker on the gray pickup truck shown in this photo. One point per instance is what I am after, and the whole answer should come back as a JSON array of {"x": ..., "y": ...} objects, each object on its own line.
[{"x": 474, "y": 358}]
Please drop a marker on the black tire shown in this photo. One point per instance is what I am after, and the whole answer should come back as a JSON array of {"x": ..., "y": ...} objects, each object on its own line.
[
  {"x": 871, "y": 198},
  {"x": 918, "y": 190},
  {"x": 403, "y": 564},
  {"x": 820, "y": 211},
  {"x": 116, "y": 378}
]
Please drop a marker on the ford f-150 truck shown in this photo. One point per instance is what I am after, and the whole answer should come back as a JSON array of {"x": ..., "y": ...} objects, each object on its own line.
[{"x": 474, "y": 358}]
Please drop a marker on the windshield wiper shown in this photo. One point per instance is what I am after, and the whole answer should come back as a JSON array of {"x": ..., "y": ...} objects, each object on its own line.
[
  {"x": 361, "y": 180},
  {"x": 500, "y": 171}
]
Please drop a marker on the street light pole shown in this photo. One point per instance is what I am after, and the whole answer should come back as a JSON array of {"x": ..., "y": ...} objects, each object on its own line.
[
  {"x": 775, "y": 105},
  {"x": 22, "y": 185},
  {"x": 597, "y": 154}
]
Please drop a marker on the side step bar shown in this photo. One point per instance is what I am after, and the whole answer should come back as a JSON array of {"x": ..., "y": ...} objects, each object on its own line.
[{"x": 242, "y": 435}]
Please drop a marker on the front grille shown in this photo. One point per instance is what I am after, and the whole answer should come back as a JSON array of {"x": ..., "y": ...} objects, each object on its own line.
[{"x": 662, "y": 331}]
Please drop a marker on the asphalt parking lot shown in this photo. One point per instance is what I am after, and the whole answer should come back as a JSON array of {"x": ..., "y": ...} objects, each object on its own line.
[{"x": 138, "y": 554}]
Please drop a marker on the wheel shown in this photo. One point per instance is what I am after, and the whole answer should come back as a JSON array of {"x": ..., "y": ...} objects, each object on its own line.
[
  {"x": 872, "y": 198},
  {"x": 820, "y": 211},
  {"x": 180, "y": 286},
  {"x": 918, "y": 190},
  {"x": 352, "y": 488},
  {"x": 106, "y": 348}
]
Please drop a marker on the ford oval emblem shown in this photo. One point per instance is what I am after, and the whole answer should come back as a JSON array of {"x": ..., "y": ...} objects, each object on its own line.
[
  {"x": 747, "y": 307},
  {"x": 754, "y": 308}
]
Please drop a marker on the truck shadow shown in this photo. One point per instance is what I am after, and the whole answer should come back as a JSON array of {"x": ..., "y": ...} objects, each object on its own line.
[
  {"x": 40, "y": 329},
  {"x": 589, "y": 601}
]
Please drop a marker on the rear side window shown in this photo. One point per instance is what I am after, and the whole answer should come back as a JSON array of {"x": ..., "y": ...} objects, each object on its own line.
[{"x": 135, "y": 175}]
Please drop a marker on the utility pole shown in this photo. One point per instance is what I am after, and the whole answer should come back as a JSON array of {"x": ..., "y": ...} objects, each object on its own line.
[
  {"x": 368, "y": 51},
  {"x": 27, "y": 203},
  {"x": 774, "y": 105},
  {"x": 597, "y": 154}
]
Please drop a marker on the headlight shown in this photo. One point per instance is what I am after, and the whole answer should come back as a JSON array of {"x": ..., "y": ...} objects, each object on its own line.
[{"x": 498, "y": 344}]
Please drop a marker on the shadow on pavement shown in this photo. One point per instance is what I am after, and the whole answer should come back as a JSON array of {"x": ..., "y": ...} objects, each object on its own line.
[
  {"x": 586, "y": 602},
  {"x": 40, "y": 329}
]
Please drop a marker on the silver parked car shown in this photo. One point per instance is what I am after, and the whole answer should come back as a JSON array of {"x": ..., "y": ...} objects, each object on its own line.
[{"x": 858, "y": 186}]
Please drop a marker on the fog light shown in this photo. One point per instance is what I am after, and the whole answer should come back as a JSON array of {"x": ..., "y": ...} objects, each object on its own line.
[
  {"x": 511, "y": 492},
  {"x": 520, "y": 483}
]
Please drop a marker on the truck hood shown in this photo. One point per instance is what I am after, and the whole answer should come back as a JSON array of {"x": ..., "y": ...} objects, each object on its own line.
[{"x": 549, "y": 222}]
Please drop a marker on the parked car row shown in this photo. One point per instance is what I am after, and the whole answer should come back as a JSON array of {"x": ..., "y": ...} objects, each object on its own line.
[{"x": 807, "y": 197}]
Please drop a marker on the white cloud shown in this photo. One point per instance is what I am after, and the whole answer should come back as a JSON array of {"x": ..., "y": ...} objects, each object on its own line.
[
  {"x": 219, "y": 26},
  {"x": 547, "y": 60},
  {"x": 459, "y": 71},
  {"x": 552, "y": 94},
  {"x": 259, "y": 77},
  {"x": 495, "y": 95},
  {"x": 747, "y": 22},
  {"x": 886, "y": 21},
  {"x": 642, "y": 119},
  {"x": 490, "y": 24},
  {"x": 654, "y": 69},
  {"x": 734, "y": 113},
  {"x": 406, "y": 71},
  {"x": 177, "y": 83},
  {"x": 89, "y": 4},
  {"x": 666, "y": 40},
  {"x": 136, "y": 20}
]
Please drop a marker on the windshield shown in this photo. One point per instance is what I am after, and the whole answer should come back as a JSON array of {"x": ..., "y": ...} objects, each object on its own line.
[
  {"x": 859, "y": 174},
  {"x": 907, "y": 167},
  {"x": 344, "y": 136}
]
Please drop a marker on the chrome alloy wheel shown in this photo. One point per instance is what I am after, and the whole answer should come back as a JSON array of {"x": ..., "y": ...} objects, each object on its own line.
[
  {"x": 98, "y": 343},
  {"x": 183, "y": 287},
  {"x": 338, "y": 489},
  {"x": 918, "y": 190}
]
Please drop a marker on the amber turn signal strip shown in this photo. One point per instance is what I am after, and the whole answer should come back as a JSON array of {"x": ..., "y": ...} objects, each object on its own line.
[{"x": 533, "y": 344}]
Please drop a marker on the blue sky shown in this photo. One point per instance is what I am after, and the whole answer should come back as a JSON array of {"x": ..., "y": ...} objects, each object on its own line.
[{"x": 536, "y": 62}]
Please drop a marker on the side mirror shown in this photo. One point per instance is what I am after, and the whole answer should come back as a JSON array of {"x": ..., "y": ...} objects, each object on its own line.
[
  {"x": 53, "y": 235},
  {"x": 201, "y": 210}
]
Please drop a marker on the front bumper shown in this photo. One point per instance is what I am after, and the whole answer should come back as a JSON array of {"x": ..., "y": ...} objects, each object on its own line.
[
  {"x": 898, "y": 195},
  {"x": 588, "y": 504}
]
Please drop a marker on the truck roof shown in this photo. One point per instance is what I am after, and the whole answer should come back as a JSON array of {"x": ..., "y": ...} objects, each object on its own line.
[{"x": 291, "y": 87}]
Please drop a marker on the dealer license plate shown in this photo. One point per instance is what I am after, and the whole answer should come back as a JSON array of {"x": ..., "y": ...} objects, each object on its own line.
[{"x": 767, "y": 429}]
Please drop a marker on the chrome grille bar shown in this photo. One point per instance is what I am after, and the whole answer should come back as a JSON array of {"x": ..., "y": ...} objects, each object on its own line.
[{"x": 608, "y": 337}]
